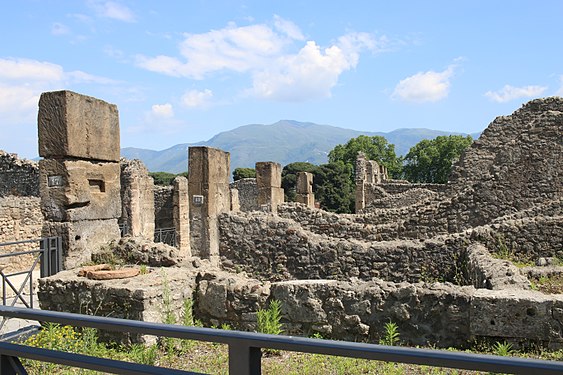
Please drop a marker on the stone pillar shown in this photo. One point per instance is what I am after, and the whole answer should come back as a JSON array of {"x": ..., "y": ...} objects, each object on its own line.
[
  {"x": 137, "y": 198},
  {"x": 79, "y": 175},
  {"x": 361, "y": 176},
  {"x": 268, "y": 180},
  {"x": 304, "y": 189},
  {"x": 182, "y": 215},
  {"x": 208, "y": 187},
  {"x": 235, "y": 199}
]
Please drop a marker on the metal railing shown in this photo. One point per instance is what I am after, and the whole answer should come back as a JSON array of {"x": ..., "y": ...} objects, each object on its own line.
[
  {"x": 165, "y": 235},
  {"x": 49, "y": 258},
  {"x": 245, "y": 349}
]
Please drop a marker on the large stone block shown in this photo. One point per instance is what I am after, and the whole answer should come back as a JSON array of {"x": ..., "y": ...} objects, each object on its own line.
[
  {"x": 517, "y": 314},
  {"x": 73, "y": 190},
  {"x": 75, "y": 125},
  {"x": 182, "y": 215},
  {"x": 273, "y": 196},
  {"x": 304, "y": 183},
  {"x": 83, "y": 238},
  {"x": 268, "y": 174}
]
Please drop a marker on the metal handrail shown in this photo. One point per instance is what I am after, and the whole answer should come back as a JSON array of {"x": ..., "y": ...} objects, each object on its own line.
[{"x": 245, "y": 347}]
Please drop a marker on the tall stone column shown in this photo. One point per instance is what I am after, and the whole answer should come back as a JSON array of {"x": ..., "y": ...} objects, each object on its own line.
[
  {"x": 182, "y": 215},
  {"x": 208, "y": 187},
  {"x": 79, "y": 175},
  {"x": 137, "y": 197},
  {"x": 304, "y": 189},
  {"x": 268, "y": 180}
]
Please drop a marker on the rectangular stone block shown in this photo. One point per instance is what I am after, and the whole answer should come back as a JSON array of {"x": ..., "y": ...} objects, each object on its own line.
[
  {"x": 273, "y": 196},
  {"x": 517, "y": 314},
  {"x": 73, "y": 190},
  {"x": 268, "y": 174},
  {"x": 308, "y": 199},
  {"x": 82, "y": 239},
  {"x": 80, "y": 126},
  {"x": 304, "y": 183}
]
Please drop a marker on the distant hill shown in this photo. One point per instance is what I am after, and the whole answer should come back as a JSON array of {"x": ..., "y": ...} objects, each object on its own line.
[{"x": 284, "y": 142}]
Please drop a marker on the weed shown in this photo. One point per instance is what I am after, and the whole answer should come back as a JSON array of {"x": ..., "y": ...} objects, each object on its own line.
[
  {"x": 391, "y": 336},
  {"x": 269, "y": 320},
  {"x": 143, "y": 269},
  {"x": 502, "y": 348}
]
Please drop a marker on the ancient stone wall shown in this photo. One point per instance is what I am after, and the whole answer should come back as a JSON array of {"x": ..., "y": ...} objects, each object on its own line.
[
  {"x": 20, "y": 219},
  {"x": 18, "y": 177},
  {"x": 273, "y": 248},
  {"x": 163, "y": 206},
  {"x": 247, "y": 194}
]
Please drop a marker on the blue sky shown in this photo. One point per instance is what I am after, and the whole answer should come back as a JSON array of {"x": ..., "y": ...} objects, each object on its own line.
[{"x": 183, "y": 71}]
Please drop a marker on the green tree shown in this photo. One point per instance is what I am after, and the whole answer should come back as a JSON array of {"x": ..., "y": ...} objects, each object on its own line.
[
  {"x": 162, "y": 178},
  {"x": 375, "y": 148},
  {"x": 289, "y": 177},
  {"x": 332, "y": 184},
  {"x": 335, "y": 187},
  {"x": 240, "y": 173},
  {"x": 432, "y": 160}
]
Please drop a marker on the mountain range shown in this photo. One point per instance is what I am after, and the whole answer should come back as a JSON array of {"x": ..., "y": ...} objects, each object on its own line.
[{"x": 285, "y": 142}]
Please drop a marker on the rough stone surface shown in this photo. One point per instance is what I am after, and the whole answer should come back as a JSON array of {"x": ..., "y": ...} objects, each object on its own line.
[
  {"x": 268, "y": 181},
  {"x": 82, "y": 238},
  {"x": 18, "y": 177},
  {"x": 79, "y": 126},
  {"x": 304, "y": 189},
  {"x": 209, "y": 170},
  {"x": 182, "y": 215},
  {"x": 137, "y": 250},
  {"x": 137, "y": 197},
  {"x": 89, "y": 191},
  {"x": 139, "y": 298},
  {"x": 163, "y": 206},
  {"x": 20, "y": 220},
  {"x": 247, "y": 194}
]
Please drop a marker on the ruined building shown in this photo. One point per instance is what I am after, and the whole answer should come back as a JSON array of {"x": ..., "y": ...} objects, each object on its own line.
[{"x": 420, "y": 255}]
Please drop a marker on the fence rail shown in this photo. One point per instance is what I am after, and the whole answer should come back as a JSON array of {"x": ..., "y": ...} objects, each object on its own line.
[{"x": 245, "y": 348}]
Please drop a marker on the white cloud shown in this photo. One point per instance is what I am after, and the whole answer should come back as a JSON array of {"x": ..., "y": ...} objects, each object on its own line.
[
  {"x": 262, "y": 50},
  {"x": 195, "y": 98},
  {"x": 288, "y": 28},
  {"x": 508, "y": 93},
  {"x": 31, "y": 70},
  {"x": 427, "y": 86},
  {"x": 113, "y": 10},
  {"x": 162, "y": 110}
]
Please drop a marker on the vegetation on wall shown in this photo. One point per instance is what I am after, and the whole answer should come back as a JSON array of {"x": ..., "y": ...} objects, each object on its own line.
[
  {"x": 240, "y": 173},
  {"x": 165, "y": 178}
]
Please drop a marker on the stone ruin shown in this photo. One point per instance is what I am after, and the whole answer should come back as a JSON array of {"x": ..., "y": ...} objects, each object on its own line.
[{"x": 420, "y": 255}]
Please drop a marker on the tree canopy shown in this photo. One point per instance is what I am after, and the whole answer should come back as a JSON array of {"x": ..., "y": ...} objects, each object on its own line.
[
  {"x": 374, "y": 147},
  {"x": 432, "y": 160},
  {"x": 240, "y": 173}
]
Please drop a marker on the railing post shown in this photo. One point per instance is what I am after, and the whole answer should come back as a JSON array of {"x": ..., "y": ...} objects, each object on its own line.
[
  {"x": 244, "y": 359},
  {"x": 11, "y": 366}
]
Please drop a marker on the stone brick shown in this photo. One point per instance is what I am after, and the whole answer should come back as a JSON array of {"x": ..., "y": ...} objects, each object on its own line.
[
  {"x": 137, "y": 195},
  {"x": 82, "y": 238},
  {"x": 73, "y": 190},
  {"x": 75, "y": 125},
  {"x": 182, "y": 215},
  {"x": 268, "y": 174},
  {"x": 209, "y": 171}
]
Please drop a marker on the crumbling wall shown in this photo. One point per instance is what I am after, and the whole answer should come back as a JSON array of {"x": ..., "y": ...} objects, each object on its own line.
[
  {"x": 247, "y": 194},
  {"x": 164, "y": 206},
  {"x": 273, "y": 248},
  {"x": 20, "y": 219},
  {"x": 137, "y": 199},
  {"x": 18, "y": 177}
]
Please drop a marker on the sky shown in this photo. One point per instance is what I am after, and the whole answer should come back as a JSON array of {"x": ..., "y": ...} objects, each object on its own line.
[{"x": 183, "y": 71}]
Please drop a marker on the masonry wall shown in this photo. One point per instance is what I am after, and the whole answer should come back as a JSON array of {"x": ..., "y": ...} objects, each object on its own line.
[
  {"x": 163, "y": 206},
  {"x": 18, "y": 177},
  {"x": 247, "y": 194},
  {"x": 20, "y": 219},
  {"x": 273, "y": 248}
]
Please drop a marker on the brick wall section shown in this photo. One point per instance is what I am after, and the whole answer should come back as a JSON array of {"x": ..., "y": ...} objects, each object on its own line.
[{"x": 18, "y": 176}]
